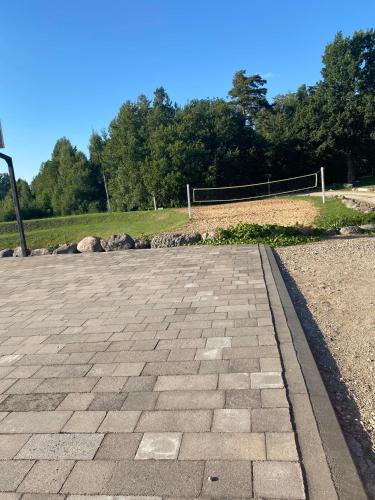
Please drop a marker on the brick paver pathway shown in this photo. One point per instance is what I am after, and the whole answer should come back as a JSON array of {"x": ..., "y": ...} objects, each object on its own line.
[{"x": 151, "y": 373}]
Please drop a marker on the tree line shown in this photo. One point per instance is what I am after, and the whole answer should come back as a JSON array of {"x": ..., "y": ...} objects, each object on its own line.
[{"x": 153, "y": 148}]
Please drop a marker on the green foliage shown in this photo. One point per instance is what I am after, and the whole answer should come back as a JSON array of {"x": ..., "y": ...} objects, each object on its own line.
[
  {"x": 269, "y": 234},
  {"x": 249, "y": 94},
  {"x": 4, "y": 185},
  {"x": 333, "y": 214},
  {"x": 52, "y": 231}
]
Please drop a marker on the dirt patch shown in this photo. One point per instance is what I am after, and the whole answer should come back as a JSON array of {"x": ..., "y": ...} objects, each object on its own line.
[
  {"x": 284, "y": 212},
  {"x": 332, "y": 287}
]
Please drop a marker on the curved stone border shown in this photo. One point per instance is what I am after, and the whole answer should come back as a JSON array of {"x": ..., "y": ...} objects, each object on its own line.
[{"x": 330, "y": 472}]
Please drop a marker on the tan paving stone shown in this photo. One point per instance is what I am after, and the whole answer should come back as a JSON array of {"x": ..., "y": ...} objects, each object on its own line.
[
  {"x": 89, "y": 477},
  {"x": 270, "y": 420},
  {"x": 172, "y": 367},
  {"x": 266, "y": 380},
  {"x": 242, "y": 398},
  {"x": 84, "y": 421},
  {"x": 12, "y": 473},
  {"x": 180, "y": 400},
  {"x": 235, "y": 479},
  {"x": 159, "y": 446},
  {"x": 23, "y": 385},
  {"x": 128, "y": 369},
  {"x": 46, "y": 476},
  {"x": 231, "y": 420},
  {"x": 278, "y": 480},
  {"x": 222, "y": 446},
  {"x": 105, "y": 401},
  {"x": 234, "y": 381},
  {"x": 110, "y": 384},
  {"x": 281, "y": 446},
  {"x": 84, "y": 384},
  {"x": 76, "y": 401},
  {"x": 274, "y": 398},
  {"x": 175, "y": 421},
  {"x": 140, "y": 401},
  {"x": 34, "y": 422},
  {"x": 186, "y": 382},
  {"x": 136, "y": 384},
  {"x": 119, "y": 446},
  {"x": 10, "y": 444}
]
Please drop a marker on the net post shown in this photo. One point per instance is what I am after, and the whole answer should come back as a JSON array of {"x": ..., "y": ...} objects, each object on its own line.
[
  {"x": 188, "y": 200},
  {"x": 155, "y": 207},
  {"x": 323, "y": 184}
]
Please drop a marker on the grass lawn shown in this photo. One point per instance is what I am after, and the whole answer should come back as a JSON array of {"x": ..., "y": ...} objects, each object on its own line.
[{"x": 55, "y": 230}]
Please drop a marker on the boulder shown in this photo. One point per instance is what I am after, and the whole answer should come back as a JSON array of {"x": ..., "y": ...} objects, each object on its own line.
[
  {"x": 330, "y": 232},
  {"x": 7, "y": 252},
  {"x": 174, "y": 239},
  {"x": 40, "y": 251},
  {"x": 117, "y": 242},
  {"x": 306, "y": 231},
  {"x": 346, "y": 230},
  {"x": 142, "y": 243},
  {"x": 17, "y": 252},
  {"x": 209, "y": 235},
  {"x": 368, "y": 227},
  {"x": 65, "y": 248},
  {"x": 90, "y": 244}
]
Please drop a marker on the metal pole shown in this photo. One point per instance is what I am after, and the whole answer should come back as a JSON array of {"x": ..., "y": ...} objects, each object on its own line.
[
  {"x": 155, "y": 207},
  {"x": 188, "y": 199},
  {"x": 269, "y": 187},
  {"x": 17, "y": 209},
  {"x": 323, "y": 184}
]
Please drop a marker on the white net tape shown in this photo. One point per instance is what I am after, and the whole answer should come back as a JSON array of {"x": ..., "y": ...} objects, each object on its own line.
[{"x": 253, "y": 191}]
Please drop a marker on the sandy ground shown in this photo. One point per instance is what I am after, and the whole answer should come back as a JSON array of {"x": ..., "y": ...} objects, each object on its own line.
[
  {"x": 332, "y": 284},
  {"x": 285, "y": 212}
]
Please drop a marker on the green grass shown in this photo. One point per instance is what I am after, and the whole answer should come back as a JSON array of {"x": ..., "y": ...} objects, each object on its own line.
[{"x": 55, "y": 230}]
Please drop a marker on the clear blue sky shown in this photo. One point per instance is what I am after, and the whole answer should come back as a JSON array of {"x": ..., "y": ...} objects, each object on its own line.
[{"x": 66, "y": 66}]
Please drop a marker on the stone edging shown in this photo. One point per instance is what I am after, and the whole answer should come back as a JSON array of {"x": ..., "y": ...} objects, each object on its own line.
[{"x": 329, "y": 469}]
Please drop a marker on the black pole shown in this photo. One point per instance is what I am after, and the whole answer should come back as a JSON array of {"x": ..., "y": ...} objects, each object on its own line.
[{"x": 17, "y": 209}]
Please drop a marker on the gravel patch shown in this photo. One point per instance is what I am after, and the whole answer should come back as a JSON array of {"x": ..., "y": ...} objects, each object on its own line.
[
  {"x": 281, "y": 211},
  {"x": 332, "y": 284}
]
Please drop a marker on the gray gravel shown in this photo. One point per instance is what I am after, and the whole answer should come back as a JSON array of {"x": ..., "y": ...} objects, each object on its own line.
[{"x": 332, "y": 284}]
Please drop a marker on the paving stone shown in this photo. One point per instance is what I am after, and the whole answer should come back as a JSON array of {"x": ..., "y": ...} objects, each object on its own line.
[
  {"x": 270, "y": 365},
  {"x": 245, "y": 341},
  {"x": 136, "y": 384},
  {"x": 110, "y": 384},
  {"x": 23, "y": 372},
  {"x": 46, "y": 476},
  {"x": 42, "y": 496},
  {"x": 23, "y": 386},
  {"x": 266, "y": 380},
  {"x": 141, "y": 356},
  {"x": 12, "y": 473},
  {"x": 270, "y": 419},
  {"x": 159, "y": 446},
  {"x": 84, "y": 421},
  {"x": 244, "y": 365},
  {"x": 278, "y": 480},
  {"x": 182, "y": 355},
  {"x": 231, "y": 420},
  {"x": 10, "y": 444},
  {"x": 186, "y": 382},
  {"x": 234, "y": 479},
  {"x": 281, "y": 446},
  {"x": 61, "y": 447},
  {"x": 55, "y": 385},
  {"x": 89, "y": 477},
  {"x": 10, "y": 496},
  {"x": 120, "y": 421},
  {"x": 218, "y": 342},
  {"x": 29, "y": 402},
  {"x": 215, "y": 366},
  {"x": 76, "y": 401},
  {"x": 102, "y": 370},
  {"x": 118, "y": 446},
  {"x": 222, "y": 446},
  {"x": 250, "y": 352},
  {"x": 107, "y": 401},
  {"x": 128, "y": 369},
  {"x": 55, "y": 371},
  {"x": 34, "y": 422},
  {"x": 274, "y": 398},
  {"x": 144, "y": 345},
  {"x": 175, "y": 421},
  {"x": 140, "y": 401},
  {"x": 234, "y": 381},
  {"x": 242, "y": 398},
  {"x": 180, "y": 400},
  {"x": 171, "y": 368},
  {"x": 148, "y": 477}
]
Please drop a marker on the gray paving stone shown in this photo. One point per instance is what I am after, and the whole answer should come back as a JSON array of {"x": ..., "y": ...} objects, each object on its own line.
[
  {"x": 218, "y": 342},
  {"x": 56, "y": 371},
  {"x": 278, "y": 480},
  {"x": 140, "y": 401},
  {"x": 23, "y": 372},
  {"x": 12, "y": 473},
  {"x": 175, "y": 421},
  {"x": 106, "y": 401},
  {"x": 84, "y": 421},
  {"x": 234, "y": 479},
  {"x": 180, "y": 400},
  {"x": 46, "y": 476},
  {"x": 23, "y": 386},
  {"x": 243, "y": 365},
  {"x": 159, "y": 446},
  {"x": 10, "y": 444},
  {"x": 274, "y": 398},
  {"x": 128, "y": 369},
  {"x": 215, "y": 366},
  {"x": 270, "y": 365},
  {"x": 270, "y": 420},
  {"x": 120, "y": 421},
  {"x": 119, "y": 446},
  {"x": 136, "y": 384},
  {"x": 222, "y": 446},
  {"x": 186, "y": 382},
  {"x": 61, "y": 447},
  {"x": 34, "y": 422},
  {"x": 110, "y": 384},
  {"x": 242, "y": 398},
  {"x": 181, "y": 355},
  {"x": 147, "y": 477},
  {"x": 76, "y": 401},
  {"x": 141, "y": 356},
  {"x": 172, "y": 367},
  {"x": 29, "y": 402},
  {"x": 234, "y": 381},
  {"x": 250, "y": 352},
  {"x": 55, "y": 385}
]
